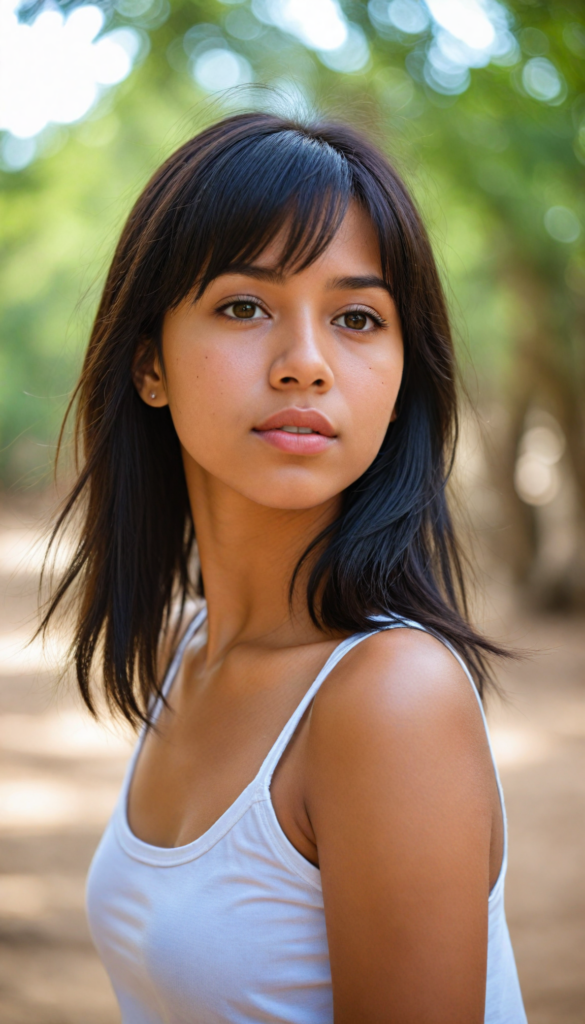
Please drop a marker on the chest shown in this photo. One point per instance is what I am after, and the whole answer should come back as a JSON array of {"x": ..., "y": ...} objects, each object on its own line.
[
  {"x": 210, "y": 742},
  {"x": 225, "y": 931}
]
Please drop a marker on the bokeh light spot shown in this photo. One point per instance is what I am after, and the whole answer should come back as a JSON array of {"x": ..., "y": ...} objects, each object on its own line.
[
  {"x": 464, "y": 19},
  {"x": 133, "y": 8},
  {"x": 541, "y": 80},
  {"x": 465, "y": 34},
  {"x": 220, "y": 68},
  {"x": 536, "y": 482},
  {"x": 319, "y": 24},
  {"x": 409, "y": 16},
  {"x": 352, "y": 56},
  {"x": 562, "y": 224},
  {"x": 536, "y": 477},
  {"x": 52, "y": 70},
  {"x": 242, "y": 25},
  {"x": 16, "y": 154},
  {"x": 534, "y": 42}
]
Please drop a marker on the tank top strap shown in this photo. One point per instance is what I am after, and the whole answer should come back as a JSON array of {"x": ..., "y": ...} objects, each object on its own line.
[
  {"x": 197, "y": 621},
  {"x": 269, "y": 766}
]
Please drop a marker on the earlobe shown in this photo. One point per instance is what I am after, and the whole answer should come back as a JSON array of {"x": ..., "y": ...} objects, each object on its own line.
[
  {"x": 148, "y": 379},
  {"x": 153, "y": 392}
]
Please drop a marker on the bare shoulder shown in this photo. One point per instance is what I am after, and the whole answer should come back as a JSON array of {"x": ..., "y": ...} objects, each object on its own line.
[
  {"x": 401, "y": 688},
  {"x": 403, "y": 671}
]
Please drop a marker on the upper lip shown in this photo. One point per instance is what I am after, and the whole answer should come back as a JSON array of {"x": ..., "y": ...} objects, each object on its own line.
[{"x": 298, "y": 418}]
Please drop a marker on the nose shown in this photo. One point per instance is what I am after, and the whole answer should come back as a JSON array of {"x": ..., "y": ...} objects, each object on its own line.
[{"x": 301, "y": 363}]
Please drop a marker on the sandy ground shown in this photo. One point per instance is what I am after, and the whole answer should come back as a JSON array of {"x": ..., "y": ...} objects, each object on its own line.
[{"x": 59, "y": 775}]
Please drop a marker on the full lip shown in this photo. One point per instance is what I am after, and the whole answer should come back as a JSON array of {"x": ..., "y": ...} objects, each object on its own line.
[
  {"x": 295, "y": 417},
  {"x": 321, "y": 437}
]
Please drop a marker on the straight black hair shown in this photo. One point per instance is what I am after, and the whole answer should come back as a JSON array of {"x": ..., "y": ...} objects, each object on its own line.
[{"x": 216, "y": 203}]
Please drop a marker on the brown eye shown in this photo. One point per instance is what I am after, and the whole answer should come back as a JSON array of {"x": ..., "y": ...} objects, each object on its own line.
[
  {"x": 356, "y": 321},
  {"x": 243, "y": 310}
]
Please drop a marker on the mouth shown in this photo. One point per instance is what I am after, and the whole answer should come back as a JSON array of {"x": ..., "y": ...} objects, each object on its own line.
[{"x": 297, "y": 431}]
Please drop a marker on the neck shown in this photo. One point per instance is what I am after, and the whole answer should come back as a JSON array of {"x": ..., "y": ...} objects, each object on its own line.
[{"x": 248, "y": 553}]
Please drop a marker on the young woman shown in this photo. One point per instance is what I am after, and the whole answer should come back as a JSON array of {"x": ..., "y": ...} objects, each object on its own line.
[{"x": 312, "y": 829}]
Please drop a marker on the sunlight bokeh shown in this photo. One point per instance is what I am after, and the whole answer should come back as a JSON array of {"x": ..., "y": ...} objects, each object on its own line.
[{"x": 54, "y": 70}]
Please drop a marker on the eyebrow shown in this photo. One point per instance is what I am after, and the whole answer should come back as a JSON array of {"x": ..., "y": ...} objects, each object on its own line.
[
  {"x": 356, "y": 283},
  {"x": 252, "y": 270},
  {"x": 277, "y": 277}
]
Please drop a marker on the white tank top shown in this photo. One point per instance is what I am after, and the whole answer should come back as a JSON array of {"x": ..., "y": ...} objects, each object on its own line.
[{"x": 230, "y": 929}]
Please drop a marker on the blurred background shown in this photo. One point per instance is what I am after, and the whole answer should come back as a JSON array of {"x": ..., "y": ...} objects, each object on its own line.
[{"x": 481, "y": 104}]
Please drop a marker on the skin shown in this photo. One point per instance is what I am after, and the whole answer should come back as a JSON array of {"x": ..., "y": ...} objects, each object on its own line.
[{"x": 387, "y": 784}]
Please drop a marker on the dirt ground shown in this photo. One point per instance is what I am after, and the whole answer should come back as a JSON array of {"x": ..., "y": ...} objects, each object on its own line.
[{"x": 59, "y": 776}]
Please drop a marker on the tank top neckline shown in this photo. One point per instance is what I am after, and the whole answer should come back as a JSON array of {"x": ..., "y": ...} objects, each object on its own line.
[{"x": 258, "y": 790}]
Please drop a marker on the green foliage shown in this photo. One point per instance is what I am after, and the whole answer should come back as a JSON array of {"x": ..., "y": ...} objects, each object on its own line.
[{"x": 497, "y": 172}]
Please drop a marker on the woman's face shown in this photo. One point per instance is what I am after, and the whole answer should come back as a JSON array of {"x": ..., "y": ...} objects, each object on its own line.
[{"x": 282, "y": 387}]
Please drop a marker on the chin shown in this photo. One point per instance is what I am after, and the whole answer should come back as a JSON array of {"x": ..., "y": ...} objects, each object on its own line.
[{"x": 290, "y": 495}]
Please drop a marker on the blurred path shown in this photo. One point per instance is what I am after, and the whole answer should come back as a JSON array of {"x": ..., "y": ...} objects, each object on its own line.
[
  {"x": 540, "y": 745},
  {"x": 60, "y": 773},
  {"x": 59, "y": 776}
]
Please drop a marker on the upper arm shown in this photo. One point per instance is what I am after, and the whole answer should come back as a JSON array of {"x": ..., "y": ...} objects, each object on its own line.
[{"x": 400, "y": 798}]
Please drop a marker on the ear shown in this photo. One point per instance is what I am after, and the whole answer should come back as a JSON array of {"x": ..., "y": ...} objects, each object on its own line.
[{"x": 148, "y": 376}]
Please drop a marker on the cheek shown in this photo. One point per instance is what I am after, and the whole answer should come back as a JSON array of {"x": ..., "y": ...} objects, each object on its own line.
[
  {"x": 370, "y": 392},
  {"x": 210, "y": 387}
]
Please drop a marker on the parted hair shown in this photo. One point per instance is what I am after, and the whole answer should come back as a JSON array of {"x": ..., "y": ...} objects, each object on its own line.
[{"x": 216, "y": 203}]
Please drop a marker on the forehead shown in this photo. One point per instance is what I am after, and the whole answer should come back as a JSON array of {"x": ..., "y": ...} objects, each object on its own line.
[{"x": 354, "y": 243}]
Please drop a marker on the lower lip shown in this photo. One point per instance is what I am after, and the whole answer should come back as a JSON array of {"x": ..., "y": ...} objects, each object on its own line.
[{"x": 296, "y": 444}]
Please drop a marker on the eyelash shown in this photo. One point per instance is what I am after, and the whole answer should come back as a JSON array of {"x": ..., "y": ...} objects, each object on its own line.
[
  {"x": 239, "y": 298},
  {"x": 377, "y": 319}
]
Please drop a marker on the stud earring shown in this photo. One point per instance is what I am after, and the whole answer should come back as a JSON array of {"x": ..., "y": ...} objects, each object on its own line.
[{"x": 153, "y": 394}]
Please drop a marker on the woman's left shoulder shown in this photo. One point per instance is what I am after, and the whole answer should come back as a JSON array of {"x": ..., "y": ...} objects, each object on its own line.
[
  {"x": 404, "y": 667},
  {"x": 400, "y": 685}
]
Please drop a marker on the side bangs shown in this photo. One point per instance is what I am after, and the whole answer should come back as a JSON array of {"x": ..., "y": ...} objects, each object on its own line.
[{"x": 232, "y": 207}]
